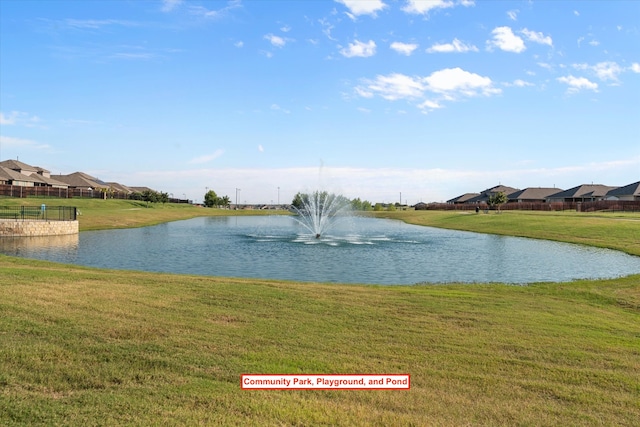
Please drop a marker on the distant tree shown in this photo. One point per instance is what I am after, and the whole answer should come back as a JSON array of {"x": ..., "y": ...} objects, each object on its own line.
[
  {"x": 225, "y": 201},
  {"x": 149, "y": 196},
  {"x": 378, "y": 207},
  {"x": 299, "y": 200},
  {"x": 497, "y": 200},
  {"x": 391, "y": 207},
  {"x": 163, "y": 197},
  {"x": 211, "y": 199}
]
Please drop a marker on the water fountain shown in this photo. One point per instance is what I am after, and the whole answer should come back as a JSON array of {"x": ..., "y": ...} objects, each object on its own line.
[{"x": 319, "y": 210}]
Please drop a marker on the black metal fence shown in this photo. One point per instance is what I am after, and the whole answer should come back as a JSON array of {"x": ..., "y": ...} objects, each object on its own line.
[{"x": 39, "y": 213}]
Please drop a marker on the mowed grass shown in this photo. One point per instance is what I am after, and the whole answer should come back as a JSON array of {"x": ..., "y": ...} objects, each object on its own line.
[{"x": 83, "y": 346}]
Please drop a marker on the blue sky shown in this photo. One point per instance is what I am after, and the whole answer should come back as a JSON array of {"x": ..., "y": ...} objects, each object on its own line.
[{"x": 372, "y": 99}]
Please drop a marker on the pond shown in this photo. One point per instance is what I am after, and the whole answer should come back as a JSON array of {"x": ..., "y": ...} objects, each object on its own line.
[{"x": 356, "y": 250}]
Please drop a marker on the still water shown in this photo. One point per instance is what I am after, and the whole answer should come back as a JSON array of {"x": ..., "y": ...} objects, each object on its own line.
[{"x": 356, "y": 250}]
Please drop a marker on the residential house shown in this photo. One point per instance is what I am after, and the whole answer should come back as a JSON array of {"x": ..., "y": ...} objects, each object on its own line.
[
  {"x": 82, "y": 181},
  {"x": 532, "y": 195},
  {"x": 463, "y": 199},
  {"x": 628, "y": 192},
  {"x": 582, "y": 193},
  {"x": 40, "y": 177},
  {"x": 11, "y": 177},
  {"x": 483, "y": 197}
]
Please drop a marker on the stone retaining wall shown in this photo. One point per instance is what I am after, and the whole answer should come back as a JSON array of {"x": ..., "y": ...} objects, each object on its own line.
[{"x": 11, "y": 227}]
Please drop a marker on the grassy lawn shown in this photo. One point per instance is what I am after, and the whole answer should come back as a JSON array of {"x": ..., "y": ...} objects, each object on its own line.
[{"x": 84, "y": 346}]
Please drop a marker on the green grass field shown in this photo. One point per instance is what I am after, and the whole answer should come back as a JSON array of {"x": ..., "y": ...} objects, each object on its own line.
[{"x": 84, "y": 346}]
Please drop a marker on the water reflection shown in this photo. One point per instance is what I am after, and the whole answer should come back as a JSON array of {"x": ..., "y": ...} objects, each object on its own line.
[{"x": 25, "y": 246}]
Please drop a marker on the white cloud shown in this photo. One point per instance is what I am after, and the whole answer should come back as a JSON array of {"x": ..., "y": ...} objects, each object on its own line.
[
  {"x": 455, "y": 82},
  {"x": 363, "y": 7},
  {"x": 429, "y": 105},
  {"x": 359, "y": 49},
  {"x": 449, "y": 84},
  {"x": 605, "y": 71},
  {"x": 404, "y": 48},
  {"x": 260, "y": 148},
  {"x": 276, "y": 107},
  {"x": 277, "y": 41},
  {"x": 504, "y": 39},
  {"x": 455, "y": 46},
  {"x": 213, "y": 13},
  {"x": 285, "y": 29},
  {"x": 395, "y": 86},
  {"x": 635, "y": 67},
  {"x": 537, "y": 37},
  {"x": 19, "y": 118},
  {"x": 519, "y": 83},
  {"x": 9, "y": 119},
  {"x": 576, "y": 84},
  {"x": 239, "y": 44},
  {"x": 422, "y": 7},
  {"x": 576, "y": 13},
  {"x": 169, "y": 5},
  {"x": 207, "y": 157},
  {"x": 513, "y": 14},
  {"x": 364, "y": 93}
]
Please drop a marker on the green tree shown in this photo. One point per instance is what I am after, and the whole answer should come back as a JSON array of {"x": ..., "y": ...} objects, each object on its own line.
[
  {"x": 225, "y": 201},
  {"x": 497, "y": 200},
  {"x": 149, "y": 196},
  {"x": 378, "y": 207},
  {"x": 211, "y": 199}
]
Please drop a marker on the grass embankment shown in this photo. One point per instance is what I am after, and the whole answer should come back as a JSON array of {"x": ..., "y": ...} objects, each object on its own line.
[
  {"x": 81, "y": 346},
  {"x": 97, "y": 214}
]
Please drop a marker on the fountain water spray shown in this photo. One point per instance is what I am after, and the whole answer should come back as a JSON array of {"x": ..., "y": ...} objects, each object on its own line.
[{"x": 319, "y": 210}]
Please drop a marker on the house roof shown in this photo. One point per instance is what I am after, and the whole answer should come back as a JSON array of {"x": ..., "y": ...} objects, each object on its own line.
[
  {"x": 463, "y": 198},
  {"x": 7, "y": 174},
  {"x": 485, "y": 194},
  {"x": 80, "y": 180},
  {"x": 533, "y": 193},
  {"x": 118, "y": 187},
  {"x": 17, "y": 165},
  {"x": 627, "y": 190},
  {"x": 581, "y": 191},
  {"x": 50, "y": 181}
]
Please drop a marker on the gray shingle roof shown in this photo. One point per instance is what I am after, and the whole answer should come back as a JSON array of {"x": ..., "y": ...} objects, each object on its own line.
[
  {"x": 627, "y": 190},
  {"x": 583, "y": 191},
  {"x": 463, "y": 198},
  {"x": 80, "y": 180},
  {"x": 534, "y": 193}
]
